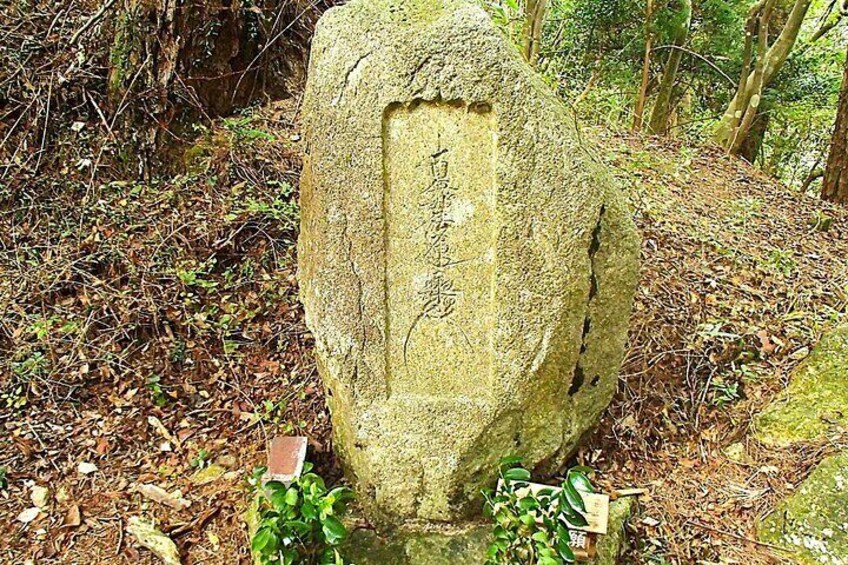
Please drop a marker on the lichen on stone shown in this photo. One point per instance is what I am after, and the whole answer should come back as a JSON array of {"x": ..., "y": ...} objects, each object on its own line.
[
  {"x": 812, "y": 524},
  {"x": 816, "y": 402}
]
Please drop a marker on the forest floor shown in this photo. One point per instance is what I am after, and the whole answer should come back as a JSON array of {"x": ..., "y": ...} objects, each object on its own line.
[{"x": 152, "y": 330}]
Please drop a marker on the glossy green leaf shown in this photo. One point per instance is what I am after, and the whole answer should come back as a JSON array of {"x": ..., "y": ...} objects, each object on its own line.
[
  {"x": 564, "y": 550},
  {"x": 577, "y": 479},
  {"x": 517, "y": 474},
  {"x": 333, "y": 530},
  {"x": 292, "y": 496},
  {"x": 265, "y": 541},
  {"x": 575, "y": 500}
]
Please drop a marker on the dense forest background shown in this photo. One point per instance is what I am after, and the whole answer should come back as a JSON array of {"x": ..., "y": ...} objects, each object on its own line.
[
  {"x": 669, "y": 67},
  {"x": 686, "y": 58}
]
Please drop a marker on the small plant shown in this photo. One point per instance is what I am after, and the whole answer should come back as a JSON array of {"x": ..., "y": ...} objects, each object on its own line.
[
  {"x": 533, "y": 528},
  {"x": 781, "y": 261},
  {"x": 4, "y": 481},
  {"x": 300, "y": 524},
  {"x": 724, "y": 392},
  {"x": 270, "y": 412},
  {"x": 153, "y": 385},
  {"x": 200, "y": 460}
]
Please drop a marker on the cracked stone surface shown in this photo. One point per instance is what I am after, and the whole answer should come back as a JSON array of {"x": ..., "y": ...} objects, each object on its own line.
[{"x": 466, "y": 267}]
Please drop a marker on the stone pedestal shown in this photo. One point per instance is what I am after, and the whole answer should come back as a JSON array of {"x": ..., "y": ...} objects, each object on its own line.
[{"x": 466, "y": 267}]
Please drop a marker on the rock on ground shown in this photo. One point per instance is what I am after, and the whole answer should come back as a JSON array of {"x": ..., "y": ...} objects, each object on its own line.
[
  {"x": 816, "y": 402},
  {"x": 812, "y": 524},
  {"x": 467, "y": 267}
]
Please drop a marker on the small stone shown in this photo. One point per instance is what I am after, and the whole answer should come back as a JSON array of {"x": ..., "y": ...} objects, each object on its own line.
[
  {"x": 40, "y": 496},
  {"x": 86, "y": 468}
]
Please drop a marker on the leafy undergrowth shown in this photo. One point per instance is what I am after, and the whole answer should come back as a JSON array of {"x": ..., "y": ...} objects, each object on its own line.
[{"x": 152, "y": 329}]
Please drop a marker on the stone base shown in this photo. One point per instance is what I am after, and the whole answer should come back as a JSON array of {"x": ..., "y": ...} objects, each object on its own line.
[{"x": 464, "y": 546}]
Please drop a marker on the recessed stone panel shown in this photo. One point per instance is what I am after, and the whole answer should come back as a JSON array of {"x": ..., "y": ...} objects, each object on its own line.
[{"x": 441, "y": 226}]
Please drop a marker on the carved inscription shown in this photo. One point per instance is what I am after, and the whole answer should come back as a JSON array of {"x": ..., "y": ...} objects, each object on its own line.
[
  {"x": 439, "y": 291},
  {"x": 439, "y": 172}
]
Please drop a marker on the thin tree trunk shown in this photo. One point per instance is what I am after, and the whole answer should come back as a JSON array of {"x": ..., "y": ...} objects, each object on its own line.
[
  {"x": 814, "y": 175},
  {"x": 639, "y": 110},
  {"x": 730, "y": 123},
  {"x": 755, "y": 93},
  {"x": 663, "y": 105},
  {"x": 775, "y": 57},
  {"x": 534, "y": 17},
  {"x": 835, "y": 183},
  {"x": 752, "y": 146}
]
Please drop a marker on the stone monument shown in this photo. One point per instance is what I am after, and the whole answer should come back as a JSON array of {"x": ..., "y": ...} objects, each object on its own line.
[{"x": 466, "y": 267}]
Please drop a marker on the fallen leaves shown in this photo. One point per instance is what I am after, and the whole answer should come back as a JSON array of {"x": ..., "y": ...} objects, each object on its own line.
[
  {"x": 73, "y": 517},
  {"x": 86, "y": 468},
  {"x": 28, "y": 515},
  {"x": 207, "y": 475},
  {"x": 147, "y": 535},
  {"x": 40, "y": 496}
]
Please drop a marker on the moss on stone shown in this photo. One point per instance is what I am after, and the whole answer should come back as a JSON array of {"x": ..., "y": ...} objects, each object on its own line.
[
  {"x": 812, "y": 524},
  {"x": 816, "y": 401},
  {"x": 464, "y": 546},
  {"x": 510, "y": 340},
  {"x": 611, "y": 545}
]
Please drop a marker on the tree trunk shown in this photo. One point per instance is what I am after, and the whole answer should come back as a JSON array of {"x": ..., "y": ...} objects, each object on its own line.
[
  {"x": 173, "y": 59},
  {"x": 534, "y": 18},
  {"x": 774, "y": 58},
  {"x": 835, "y": 183},
  {"x": 755, "y": 93},
  {"x": 753, "y": 144},
  {"x": 663, "y": 105},
  {"x": 639, "y": 109}
]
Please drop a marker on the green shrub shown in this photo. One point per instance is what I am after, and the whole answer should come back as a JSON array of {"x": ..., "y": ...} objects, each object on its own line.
[
  {"x": 533, "y": 528},
  {"x": 300, "y": 524}
]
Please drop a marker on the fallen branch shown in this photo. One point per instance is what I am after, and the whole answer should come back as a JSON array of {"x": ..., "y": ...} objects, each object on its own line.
[{"x": 92, "y": 20}]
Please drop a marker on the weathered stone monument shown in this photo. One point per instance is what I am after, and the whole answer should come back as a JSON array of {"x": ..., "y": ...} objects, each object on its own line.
[{"x": 466, "y": 267}]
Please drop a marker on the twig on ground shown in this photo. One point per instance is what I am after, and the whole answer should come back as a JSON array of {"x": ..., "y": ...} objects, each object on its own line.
[{"x": 91, "y": 21}]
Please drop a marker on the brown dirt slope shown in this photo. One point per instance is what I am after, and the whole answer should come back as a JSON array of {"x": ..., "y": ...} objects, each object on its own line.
[
  {"x": 740, "y": 276},
  {"x": 124, "y": 305}
]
